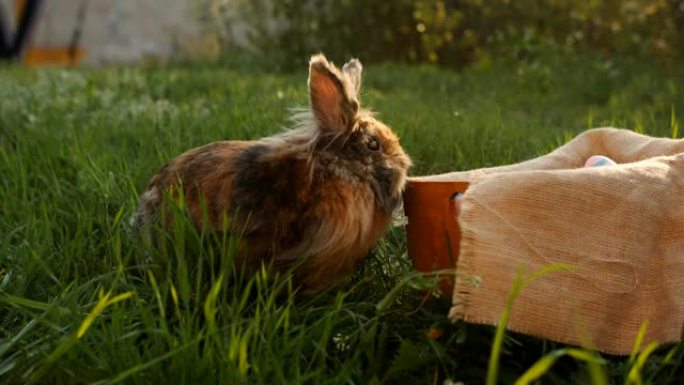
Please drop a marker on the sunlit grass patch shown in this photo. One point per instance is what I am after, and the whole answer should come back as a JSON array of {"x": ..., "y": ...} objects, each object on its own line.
[{"x": 85, "y": 300}]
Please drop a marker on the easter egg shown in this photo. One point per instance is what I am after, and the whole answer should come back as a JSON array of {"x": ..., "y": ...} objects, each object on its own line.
[{"x": 599, "y": 161}]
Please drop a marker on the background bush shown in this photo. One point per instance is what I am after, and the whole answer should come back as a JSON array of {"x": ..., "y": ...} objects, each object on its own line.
[{"x": 450, "y": 32}]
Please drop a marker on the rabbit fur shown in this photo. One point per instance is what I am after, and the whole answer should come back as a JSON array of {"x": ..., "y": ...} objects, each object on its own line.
[{"x": 320, "y": 194}]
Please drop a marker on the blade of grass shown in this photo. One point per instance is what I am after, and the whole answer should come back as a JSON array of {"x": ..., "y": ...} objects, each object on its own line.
[
  {"x": 638, "y": 341},
  {"x": 520, "y": 281},
  {"x": 139, "y": 368},
  {"x": 634, "y": 376},
  {"x": 31, "y": 304},
  {"x": 544, "y": 364}
]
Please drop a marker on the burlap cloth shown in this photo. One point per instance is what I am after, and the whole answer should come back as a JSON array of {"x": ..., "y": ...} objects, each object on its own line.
[{"x": 621, "y": 227}]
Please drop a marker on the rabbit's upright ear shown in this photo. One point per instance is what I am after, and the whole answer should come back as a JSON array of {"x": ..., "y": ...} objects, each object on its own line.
[
  {"x": 352, "y": 69},
  {"x": 332, "y": 97}
]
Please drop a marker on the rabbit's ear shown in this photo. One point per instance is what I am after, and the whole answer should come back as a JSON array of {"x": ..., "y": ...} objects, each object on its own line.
[
  {"x": 352, "y": 69},
  {"x": 332, "y": 97}
]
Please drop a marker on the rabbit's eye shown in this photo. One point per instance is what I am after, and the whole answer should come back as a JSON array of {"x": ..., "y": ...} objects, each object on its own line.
[{"x": 372, "y": 144}]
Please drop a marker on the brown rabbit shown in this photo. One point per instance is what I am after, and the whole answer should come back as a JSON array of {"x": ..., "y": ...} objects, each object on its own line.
[{"x": 322, "y": 193}]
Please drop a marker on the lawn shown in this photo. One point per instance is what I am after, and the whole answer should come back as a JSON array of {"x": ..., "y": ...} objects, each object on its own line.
[{"x": 81, "y": 302}]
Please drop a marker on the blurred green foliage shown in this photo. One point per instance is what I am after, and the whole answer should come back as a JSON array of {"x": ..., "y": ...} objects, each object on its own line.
[{"x": 451, "y": 32}]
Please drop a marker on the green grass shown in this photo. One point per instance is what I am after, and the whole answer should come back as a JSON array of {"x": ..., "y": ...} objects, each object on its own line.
[{"x": 80, "y": 302}]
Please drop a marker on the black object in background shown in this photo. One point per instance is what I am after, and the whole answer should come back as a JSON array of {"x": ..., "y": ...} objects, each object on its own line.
[{"x": 11, "y": 46}]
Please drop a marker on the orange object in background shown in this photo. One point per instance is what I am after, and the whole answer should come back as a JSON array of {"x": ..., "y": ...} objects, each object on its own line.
[
  {"x": 52, "y": 56},
  {"x": 38, "y": 56},
  {"x": 433, "y": 233}
]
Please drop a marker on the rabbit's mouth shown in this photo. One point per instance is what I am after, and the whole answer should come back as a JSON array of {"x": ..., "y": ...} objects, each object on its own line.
[{"x": 388, "y": 184}]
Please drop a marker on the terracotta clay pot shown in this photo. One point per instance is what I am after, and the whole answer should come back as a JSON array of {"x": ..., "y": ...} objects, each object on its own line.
[{"x": 432, "y": 232}]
